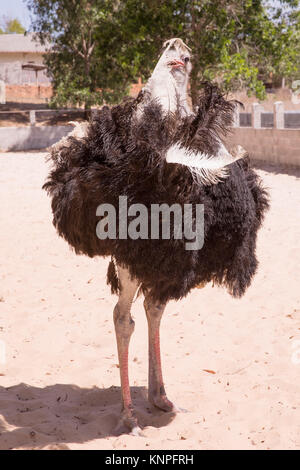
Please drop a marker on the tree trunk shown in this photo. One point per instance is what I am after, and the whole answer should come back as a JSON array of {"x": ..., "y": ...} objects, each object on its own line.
[{"x": 87, "y": 107}]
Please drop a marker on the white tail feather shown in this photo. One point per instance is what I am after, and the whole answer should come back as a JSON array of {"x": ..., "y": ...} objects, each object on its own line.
[{"x": 208, "y": 169}]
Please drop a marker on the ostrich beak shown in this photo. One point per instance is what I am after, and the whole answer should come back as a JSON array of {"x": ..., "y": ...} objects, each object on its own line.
[{"x": 176, "y": 63}]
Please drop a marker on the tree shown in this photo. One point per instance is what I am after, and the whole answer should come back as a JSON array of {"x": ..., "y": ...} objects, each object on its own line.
[
  {"x": 100, "y": 46},
  {"x": 78, "y": 68},
  {"x": 11, "y": 25},
  {"x": 14, "y": 26},
  {"x": 238, "y": 42},
  {"x": 286, "y": 65}
]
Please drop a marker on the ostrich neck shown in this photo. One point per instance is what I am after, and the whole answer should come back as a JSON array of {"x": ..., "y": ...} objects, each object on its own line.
[{"x": 169, "y": 90}]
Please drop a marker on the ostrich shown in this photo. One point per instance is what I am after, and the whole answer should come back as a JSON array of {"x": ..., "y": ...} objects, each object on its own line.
[{"x": 155, "y": 149}]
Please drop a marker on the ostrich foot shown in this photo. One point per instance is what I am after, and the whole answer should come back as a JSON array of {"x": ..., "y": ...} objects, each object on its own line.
[
  {"x": 136, "y": 431},
  {"x": 163, "y": 403},
  {"x": 128, "y": 422}
]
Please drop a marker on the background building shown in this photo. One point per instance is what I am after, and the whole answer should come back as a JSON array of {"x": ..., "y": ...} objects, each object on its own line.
[{"x": 22, "y": 69}]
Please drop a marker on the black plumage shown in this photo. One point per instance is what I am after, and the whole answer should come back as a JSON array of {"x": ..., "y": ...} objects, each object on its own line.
[{"x": 123, "y": 154}]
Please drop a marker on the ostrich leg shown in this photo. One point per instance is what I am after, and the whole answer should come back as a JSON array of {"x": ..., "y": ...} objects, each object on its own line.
[
  {"x": 124, "y": 326},
  {"x": 156, "y": 390}
]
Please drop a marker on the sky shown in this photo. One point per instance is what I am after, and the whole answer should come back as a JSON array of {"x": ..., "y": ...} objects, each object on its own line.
[{"x": 15, "y": 9}]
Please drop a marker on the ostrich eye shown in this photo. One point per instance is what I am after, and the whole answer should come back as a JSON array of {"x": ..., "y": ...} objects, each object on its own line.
[{"x": 186, "y": 59}]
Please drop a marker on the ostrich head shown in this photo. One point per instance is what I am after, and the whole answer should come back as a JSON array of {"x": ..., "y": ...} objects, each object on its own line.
[{"x": 169, "y": 80}]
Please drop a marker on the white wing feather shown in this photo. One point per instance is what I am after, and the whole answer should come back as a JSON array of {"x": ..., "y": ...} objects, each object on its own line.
[{"x": 208, "y": 169}]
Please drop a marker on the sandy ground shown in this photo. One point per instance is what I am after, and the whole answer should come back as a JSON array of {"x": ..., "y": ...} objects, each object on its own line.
[{"x": 59, "y": 385}]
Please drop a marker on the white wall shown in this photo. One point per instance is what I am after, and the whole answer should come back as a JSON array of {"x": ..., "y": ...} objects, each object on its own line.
[
  {"x": 29, "y": 138},
  {"x": 11, "y": 68},
  {"x": 269, "y": 145}
]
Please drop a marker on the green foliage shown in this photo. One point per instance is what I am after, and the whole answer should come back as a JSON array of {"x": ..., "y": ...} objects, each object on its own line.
[
  {"x": 100, "y": 46},
  {"x": 239, "y": 43},
  {"x": 80, "y": 60},
  {"x": 11, "y": 25},
  {"x": 14, "y": 26}
]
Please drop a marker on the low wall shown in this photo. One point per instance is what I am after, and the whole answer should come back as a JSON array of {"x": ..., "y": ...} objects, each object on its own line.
[
  {"x": 30, "y": 138},
  {"x": 28, "y": 93},
  {"x": 269, "y": 145}
]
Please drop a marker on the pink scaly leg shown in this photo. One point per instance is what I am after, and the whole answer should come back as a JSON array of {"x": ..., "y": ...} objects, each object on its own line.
[
  {"x": 124, "y": 326},
  {"x": 156, "y": 393}
]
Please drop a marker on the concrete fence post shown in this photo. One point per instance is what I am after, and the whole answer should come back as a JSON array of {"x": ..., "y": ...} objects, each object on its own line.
[
  {"x": 256, "y": 115},
  {"x": 278, "y": 115},
  {"x": 32, "y": 118}
]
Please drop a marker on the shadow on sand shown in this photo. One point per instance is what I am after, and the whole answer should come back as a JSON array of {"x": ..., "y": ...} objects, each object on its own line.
[
  {"x": 53, "y": 416},
  {"x": 277, "y": 168}
]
